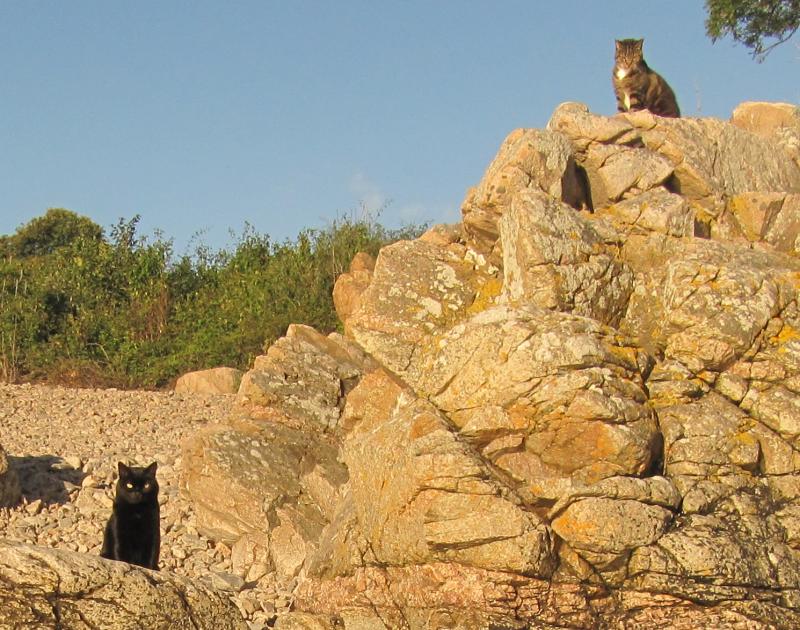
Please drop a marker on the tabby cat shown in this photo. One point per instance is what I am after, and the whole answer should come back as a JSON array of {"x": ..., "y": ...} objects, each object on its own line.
[
  {"x": 132, "y": 534},
  {"x": 637, "y": 86}
]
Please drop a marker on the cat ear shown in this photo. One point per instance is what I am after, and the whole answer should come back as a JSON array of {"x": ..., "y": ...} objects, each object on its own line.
[
  {"x": 617, "y": 44},
  {"x": 123, "y": 470},
  {"x": 150, "y": 471},
  {"x": 640, "y": 44}
]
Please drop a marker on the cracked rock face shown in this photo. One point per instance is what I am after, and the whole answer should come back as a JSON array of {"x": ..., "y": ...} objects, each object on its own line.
[
  {"x": 260, "y": 482},
  {"x": 529, "y": 159},
  {"x": 423, "y": 495},
  {"x": 418, "y": 289},
  {"x": 578, "y": 409},
  {"x": 544, "y": 395},
  {"x": 777, "y": 122},
  {"x": 304, "y": 376},
  {"x": 712, "y": 159},
  {"x": 49, "y": 588},
  {"x": 554, "y": 258},
  {"x": 349, "y": 286},
  {"x": 266, "y": 482}
]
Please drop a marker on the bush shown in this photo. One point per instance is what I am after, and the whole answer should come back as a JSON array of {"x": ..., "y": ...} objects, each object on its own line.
[
  {"x": 45, "y": 234},
  {"x": 120, "y": 310}
]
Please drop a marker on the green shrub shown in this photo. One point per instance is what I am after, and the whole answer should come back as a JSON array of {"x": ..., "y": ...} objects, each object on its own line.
[
  {"x": 43, "y": 235},
  {"x": 121, "y": 310}
]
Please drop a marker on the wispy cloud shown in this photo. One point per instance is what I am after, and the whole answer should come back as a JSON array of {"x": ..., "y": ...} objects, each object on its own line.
[
  {"x": 427, "y": 213},
  {"x": 368, "y": 193},
  {"x": 374, "y": 201}
]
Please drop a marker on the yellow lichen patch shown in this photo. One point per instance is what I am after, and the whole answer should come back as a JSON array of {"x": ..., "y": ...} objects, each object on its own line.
[
  {"x": 793, "y": 277},
  {"x": 570, "y": 528},
  {"x": 666, "y": 399},
  {"x": 702, "y": 215},
  {"x": 741, "y": 208},
  {"x": 786, "y": 335},
  {"x": 486, "y": 295},
  {"x": 744, "y": 438},
  {"x": 625, "y": 354}
]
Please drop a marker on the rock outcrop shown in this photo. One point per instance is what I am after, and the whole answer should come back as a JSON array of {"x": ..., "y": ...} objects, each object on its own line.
[
  {"x": 349, "y": 287},
  {"x": 49, "y": 588},
  {"x": 778, "y": 122},
  {"x": 267, "y": 482},
  {"x": 578, "y": 408}
]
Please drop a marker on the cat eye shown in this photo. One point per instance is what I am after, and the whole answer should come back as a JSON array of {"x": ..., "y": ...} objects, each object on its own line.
[
  {"x": 146, "y": 485},
  {"x": 129, "y": 486}
]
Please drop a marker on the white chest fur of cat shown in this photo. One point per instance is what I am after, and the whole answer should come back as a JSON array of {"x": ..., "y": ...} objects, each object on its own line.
[{"x": 621, "y": 74}]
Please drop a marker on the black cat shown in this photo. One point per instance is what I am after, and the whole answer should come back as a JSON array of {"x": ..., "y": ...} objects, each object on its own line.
[{"x": 132, "y": 533}]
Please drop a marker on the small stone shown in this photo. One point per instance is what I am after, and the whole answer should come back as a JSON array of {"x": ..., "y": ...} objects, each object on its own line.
[
  {"x": 179, "y": 553},
  {"x": 249, "y": 606},
  {"x": 268, "y": 619},
  {"x": 89, "y": 481},
  {"x": 87, "y": 528},
  {"x": 73, "y": 461},
  {"x": 34, "y": 507},
  {"x": 71, "y": 487},
  {"x": 222, "y": 550},
  {"x": 267, "y": 583},
  {"x": 256, "y": 572},
  {"x": 193, "y": 542},
  {"x": 226, "y": 582}
]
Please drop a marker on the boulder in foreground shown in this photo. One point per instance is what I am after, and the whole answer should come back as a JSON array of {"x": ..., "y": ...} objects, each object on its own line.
[{"x": 51, "y": 588}]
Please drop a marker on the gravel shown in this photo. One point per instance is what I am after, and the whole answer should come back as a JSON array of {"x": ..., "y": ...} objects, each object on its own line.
[{"x": 65, "y": 444}]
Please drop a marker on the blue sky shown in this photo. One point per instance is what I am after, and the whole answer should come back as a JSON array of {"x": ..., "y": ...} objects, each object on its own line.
[{"x": 201, "y": 116}]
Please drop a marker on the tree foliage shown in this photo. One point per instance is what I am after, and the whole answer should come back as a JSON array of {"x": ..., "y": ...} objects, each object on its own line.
[
  {"x": 123, "y": 310},
  {"x": 43, "y": 235},
  {"x": 758, "y": 24}
]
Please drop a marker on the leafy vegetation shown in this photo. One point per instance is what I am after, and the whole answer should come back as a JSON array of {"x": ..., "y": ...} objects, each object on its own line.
[
  {"x": 80, "y": 306},
  {"x": 758, "y": 24}
]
